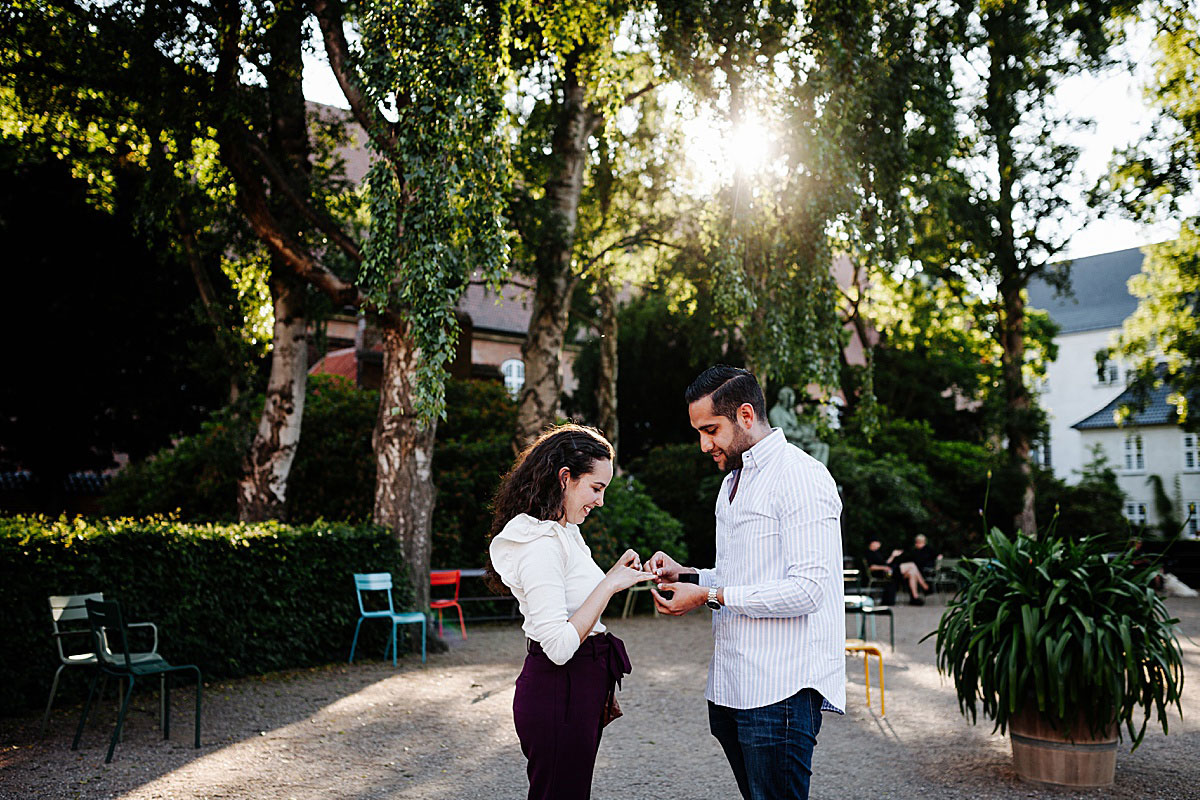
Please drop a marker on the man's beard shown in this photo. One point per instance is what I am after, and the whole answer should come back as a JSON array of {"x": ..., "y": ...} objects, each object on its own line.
[{"x": 740, "y": 444}]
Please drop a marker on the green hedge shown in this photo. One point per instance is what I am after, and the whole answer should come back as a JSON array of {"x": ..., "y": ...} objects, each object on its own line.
[{"x": 232, "y": 599}]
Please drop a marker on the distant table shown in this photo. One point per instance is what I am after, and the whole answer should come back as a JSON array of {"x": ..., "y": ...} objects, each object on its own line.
[{"x": 476, "y": 573}]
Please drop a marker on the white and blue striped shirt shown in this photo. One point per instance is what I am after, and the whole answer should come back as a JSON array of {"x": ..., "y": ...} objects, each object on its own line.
[{"x": 779, "y": 560}]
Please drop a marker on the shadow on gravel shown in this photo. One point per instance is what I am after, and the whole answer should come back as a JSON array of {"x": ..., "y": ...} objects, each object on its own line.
[{"x": 293, "y": 708}]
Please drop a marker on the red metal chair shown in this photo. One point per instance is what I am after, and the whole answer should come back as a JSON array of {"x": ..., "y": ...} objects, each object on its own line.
[{"x": 447, "y": 577}]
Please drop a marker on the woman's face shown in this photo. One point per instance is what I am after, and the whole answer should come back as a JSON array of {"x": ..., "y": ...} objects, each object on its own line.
[{"x": 582, "y": 494}]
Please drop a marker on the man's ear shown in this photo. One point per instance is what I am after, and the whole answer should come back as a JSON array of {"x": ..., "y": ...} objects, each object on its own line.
[{"x": 746, "y": 416}]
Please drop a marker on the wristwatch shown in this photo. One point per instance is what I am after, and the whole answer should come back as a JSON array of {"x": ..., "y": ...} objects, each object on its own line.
[{"x": 712, "y": 601}]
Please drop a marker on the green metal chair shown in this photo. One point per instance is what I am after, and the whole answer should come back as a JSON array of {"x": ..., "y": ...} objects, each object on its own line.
[
  {"x": 382, "y": 582},
  {"x": 107, "y": 625},
  {"x": 68, "y": 617}
]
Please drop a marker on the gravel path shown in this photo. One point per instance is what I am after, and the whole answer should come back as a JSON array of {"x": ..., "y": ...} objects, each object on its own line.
[{"x": 445, "y": 731}]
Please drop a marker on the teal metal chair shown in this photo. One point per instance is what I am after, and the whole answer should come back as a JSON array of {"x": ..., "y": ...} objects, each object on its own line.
[
  {"x": 68, "y": 618},
  {"x": 111, "y": 637},
  {"x": 382, "y": 582}
]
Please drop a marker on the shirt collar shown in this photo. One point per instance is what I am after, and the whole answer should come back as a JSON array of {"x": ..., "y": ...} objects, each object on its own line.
[{"x": 767, "y": 448}]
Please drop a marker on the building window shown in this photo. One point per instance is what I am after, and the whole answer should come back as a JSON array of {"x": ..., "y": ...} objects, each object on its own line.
[
  {"x": 513, "y": 371},
  {"x": 1191, "y": 526},
  {"x": 1135, "y": 458},
  {"x": 1041, "y": 451},
  {"x": 1107, "y": 372},
  {"x": 1191, "y": 452},
  {"x": 1136, "y": 513}
]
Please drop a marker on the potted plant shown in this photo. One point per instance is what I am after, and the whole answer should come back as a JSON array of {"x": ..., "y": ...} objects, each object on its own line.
[{"x": 1060, "y": 643}]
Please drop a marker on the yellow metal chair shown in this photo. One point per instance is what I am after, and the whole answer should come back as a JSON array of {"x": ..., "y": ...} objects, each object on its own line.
[{"x": 868, "y": 649}]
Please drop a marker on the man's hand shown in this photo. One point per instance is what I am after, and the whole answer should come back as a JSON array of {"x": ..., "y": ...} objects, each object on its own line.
[
  {"x": 663, "y": 567},
  {"x": 687, "y": 596}
]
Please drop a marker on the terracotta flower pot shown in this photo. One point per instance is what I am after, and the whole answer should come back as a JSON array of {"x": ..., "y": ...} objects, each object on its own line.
[{"x": 1041, "y": 754}]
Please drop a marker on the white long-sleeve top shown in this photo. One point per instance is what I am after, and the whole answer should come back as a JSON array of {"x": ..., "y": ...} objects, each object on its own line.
[
  {"x": 779, "y": 560},
  {"x": 551, "y": 572}
]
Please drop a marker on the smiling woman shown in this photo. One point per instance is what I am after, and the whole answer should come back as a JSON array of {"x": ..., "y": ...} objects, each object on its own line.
[{"x": 538, "y": 554}]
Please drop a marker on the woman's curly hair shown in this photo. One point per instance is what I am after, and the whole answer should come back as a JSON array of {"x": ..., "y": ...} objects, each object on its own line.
[{"x": 532, "y": 486}]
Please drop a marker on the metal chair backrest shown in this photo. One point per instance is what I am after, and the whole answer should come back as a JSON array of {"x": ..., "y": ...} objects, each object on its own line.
[
  {"x": 69, "y": 608},
  {"x": 373, "y": 582},
  {"x": 108, "y": 624},
  {"x": 446, "y": 577}
]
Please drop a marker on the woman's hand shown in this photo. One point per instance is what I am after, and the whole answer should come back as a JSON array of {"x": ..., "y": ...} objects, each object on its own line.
[{"x": 627, "y": 572}]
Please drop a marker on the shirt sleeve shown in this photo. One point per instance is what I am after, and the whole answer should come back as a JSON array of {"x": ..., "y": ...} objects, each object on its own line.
[
  {"x": 810, "y": 533},
  {"x": 541, "y": 572}
]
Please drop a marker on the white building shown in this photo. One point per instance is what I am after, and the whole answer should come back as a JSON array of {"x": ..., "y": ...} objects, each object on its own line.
[{"x": 1081, "y": 397}]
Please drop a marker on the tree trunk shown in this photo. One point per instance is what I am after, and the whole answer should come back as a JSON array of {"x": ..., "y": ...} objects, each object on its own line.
[
  {"x": 606, "y": 385},
  {"x": 1017, "y": 402},
  {"x": 1002, "y": 117},
  {"x": 542, "y": 350},
  {"x": 404, "y": 492},
  {"x": 262, "y": 490}
]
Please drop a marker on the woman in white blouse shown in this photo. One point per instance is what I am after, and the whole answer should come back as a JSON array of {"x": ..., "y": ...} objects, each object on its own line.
[{"x": 565, "y": 691}]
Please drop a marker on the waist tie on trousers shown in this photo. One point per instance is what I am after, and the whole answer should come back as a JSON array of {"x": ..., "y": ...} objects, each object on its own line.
[{"x": 594, "y": 648}]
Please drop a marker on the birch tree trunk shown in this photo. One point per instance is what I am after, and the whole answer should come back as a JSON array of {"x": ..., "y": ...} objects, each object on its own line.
[
  {"x": 542, "y": 350},
  {"x": 606, "y": 386},
  {"x": 404, "y": 491},
  {"x": 262, "y": 489}
]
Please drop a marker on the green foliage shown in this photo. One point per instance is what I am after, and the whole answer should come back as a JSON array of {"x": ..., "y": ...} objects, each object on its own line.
[
  {"x": 473, "y": 452},
  {"x": 629, "y": 518},
  {"x": 861, "y": 113},
  {"x": 906, "y": 481},
  {"x": 989, "y": 218},
  {"x": 333, "y": 475},
  {"x": 1169, "y": 524},
  {"x": 237, "y": 599},
  {"x": 1161, "y": 339},
  {"x": 952, "y": 341},
  {"x": 436, "y": 193},
  {"x": 1064, "y": 627},
  {"x": 1093, "y": 506},
  {"x": 684, "y": 482},
  {"x": 883, "y": 495},
  {"x": 674, "y": 343}
]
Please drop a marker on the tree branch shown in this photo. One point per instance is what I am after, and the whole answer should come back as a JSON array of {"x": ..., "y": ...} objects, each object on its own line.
[
  {"x": 251, "y": 194},
  {"x": 329, "y": 17},
  {"x": 278, "y": 181}
]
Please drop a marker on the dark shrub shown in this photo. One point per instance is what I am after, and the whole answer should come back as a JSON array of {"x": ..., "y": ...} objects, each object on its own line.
[
  {"x": 684, "y": 482},
  {"x": 232, "y": 599}
]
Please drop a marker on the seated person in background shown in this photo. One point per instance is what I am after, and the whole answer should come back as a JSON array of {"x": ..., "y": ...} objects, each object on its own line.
[
  {"x": 881, "y": 565},
  {"x": 913, "y": 565}
]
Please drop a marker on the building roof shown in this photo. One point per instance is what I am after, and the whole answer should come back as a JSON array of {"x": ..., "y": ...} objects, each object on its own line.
[
  {"x": 510, "y": 315},
  {"x": 1157, "y": 411},
  {"x": 1098, "y": 297},
  {"x": 337, "y": 362}
]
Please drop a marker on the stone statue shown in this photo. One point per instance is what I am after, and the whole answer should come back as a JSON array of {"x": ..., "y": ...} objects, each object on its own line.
[{"x": 802, "y": 434}]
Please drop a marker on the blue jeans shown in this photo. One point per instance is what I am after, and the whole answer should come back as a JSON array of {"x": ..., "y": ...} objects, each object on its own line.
[{"x": 770, "y": 748}]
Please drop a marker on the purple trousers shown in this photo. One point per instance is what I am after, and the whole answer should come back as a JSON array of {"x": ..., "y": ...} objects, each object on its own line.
[{"x": 557, "y": 711}]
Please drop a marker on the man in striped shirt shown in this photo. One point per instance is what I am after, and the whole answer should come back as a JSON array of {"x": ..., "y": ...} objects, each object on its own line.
[{"x": 776, "y": 590}]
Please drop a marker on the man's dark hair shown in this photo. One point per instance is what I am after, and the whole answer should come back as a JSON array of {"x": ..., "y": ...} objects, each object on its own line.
[{"x": 729, "y": 387}]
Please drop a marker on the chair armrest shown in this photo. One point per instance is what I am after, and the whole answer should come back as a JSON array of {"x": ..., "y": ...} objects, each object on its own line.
[
  {"x": 151, "y": 625},
  {"x": 61, "y": 634}
]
